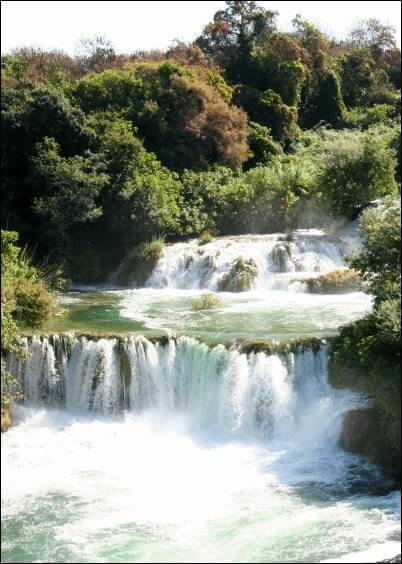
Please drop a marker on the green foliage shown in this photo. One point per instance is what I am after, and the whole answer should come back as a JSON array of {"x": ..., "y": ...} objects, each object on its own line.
[
  {"x": 111, "y": 89},
  {"x": 261, "y": 145},
  {"x": 25, "y": 301},
  {"x": 355, "y": 170},
  {"x": 380, "y": 258},
  {"x": 185, "y": 121},
  {"x": 206, "y": 301},
  {"x": 267, "y": 108},
  {"x": 366, "y": 355},
  {"x": 364, "y": 80},
  {"x": 324, "y": 101},
  {"x": 12, "y": 68},
  {"x": 217, "y": 80},
  {"x": 363, "y": 118},
  {"x": 205, "y": 237},
  {"x": 68, "y": 189}
]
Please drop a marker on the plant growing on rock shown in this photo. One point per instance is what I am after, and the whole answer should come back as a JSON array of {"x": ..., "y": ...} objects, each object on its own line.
[
  {"x": 241, "y": 276},
  {"x": 206, "y": 301}
]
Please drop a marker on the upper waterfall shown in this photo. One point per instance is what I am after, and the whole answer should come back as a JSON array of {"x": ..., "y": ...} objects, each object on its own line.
[{"x": 249, "y": 261}]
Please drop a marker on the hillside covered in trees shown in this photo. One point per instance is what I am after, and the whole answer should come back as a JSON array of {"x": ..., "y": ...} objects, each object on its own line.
[{"x": 248, "y": 129}]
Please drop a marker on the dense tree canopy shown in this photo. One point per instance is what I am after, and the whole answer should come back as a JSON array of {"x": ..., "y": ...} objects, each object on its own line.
[{"x": 246, "y": 129}]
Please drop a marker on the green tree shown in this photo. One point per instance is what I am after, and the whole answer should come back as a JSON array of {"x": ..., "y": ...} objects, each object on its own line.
[
  {"x": 67, "y": 191},
  {"x": 324, "y": 102},
  {"x": 261, "y": 145},
  {"x": 356, "y": 171},
  {"x": 233, "y": 34}
]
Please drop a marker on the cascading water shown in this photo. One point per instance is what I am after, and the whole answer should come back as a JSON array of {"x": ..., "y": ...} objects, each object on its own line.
[
  {"x": 278, "y": 260},
  {"x": 128, "y": 450},
  {"x": 135, "y": 449},
  {"x": 217, "y": 389}
]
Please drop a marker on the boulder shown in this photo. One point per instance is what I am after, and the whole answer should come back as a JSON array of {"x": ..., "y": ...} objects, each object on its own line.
[{"x": 241, "y": 276}]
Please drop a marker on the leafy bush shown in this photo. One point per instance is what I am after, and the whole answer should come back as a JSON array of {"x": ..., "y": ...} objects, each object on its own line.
[
  {"x": 206, "y": 301},
  {"x": 366, "y": 355},
  {"x": 205, "y": 237},
  {"x": 25, "y": 301},
  {"x": 355, "y": 170}
]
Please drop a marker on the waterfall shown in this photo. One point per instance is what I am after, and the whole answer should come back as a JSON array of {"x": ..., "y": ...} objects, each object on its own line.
[
  {"x": 211, "y": 388},
  {"x": 276, "y": 260}
]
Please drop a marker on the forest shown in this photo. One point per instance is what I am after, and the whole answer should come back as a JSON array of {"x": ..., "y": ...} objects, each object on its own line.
[{"x": 247, "y": 130}]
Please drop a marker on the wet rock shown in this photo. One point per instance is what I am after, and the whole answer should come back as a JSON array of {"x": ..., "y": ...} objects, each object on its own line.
[
  {"x": 336, "y": 282},
  {"x": 5, "y": 418},
  {"x": 138, "y": 265},
  {"x": 241, "y": 276},
  {"x": 188, "y": 261},
  {"x": 269, "y": 347},
  {"x": 363, "y": 433}
]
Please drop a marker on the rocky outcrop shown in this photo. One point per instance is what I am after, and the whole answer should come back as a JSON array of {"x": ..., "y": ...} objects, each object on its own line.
[
  {"x": 336, "y": 282},
  {"x": 5, "y": 418},
  {"x": 363, "y": 433},
  {"x": 282, "y": 257},
  {"x": 241, "y": 276},
  {"x": 138, "y": 265}
]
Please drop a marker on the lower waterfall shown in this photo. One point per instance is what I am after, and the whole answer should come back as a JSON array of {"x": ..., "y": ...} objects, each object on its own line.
[
  {"x": 128, "y": 450},
  {"x": 218, "y": 389}
]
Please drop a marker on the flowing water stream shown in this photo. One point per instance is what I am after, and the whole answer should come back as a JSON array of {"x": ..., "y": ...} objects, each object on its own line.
[{"x": 135, "y": 449}]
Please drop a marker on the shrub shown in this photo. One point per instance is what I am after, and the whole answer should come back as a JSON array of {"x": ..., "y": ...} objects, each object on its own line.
[
  {"x": 25, "y": 302},
  {"x": 205, "y": 237},
  {"x": 355, "y": 171},
  {"x": 206, "y": 301}
]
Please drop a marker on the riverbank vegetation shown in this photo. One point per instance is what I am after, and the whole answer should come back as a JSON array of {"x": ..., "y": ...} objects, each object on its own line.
[
  {"x": 25, "y": 302},
  {"x": 248, "y": 129},
  {"x": 366, "y": 355}
]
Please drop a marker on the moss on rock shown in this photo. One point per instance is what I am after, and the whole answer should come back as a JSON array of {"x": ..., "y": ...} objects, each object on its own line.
[
  {"x": 241, "y": 276},
  {"x": 5, "y": 418},
  {"x": 269, "y": 347},
  {"x": 336, "y": 282},
  {"x": 138, "y": 265}
]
